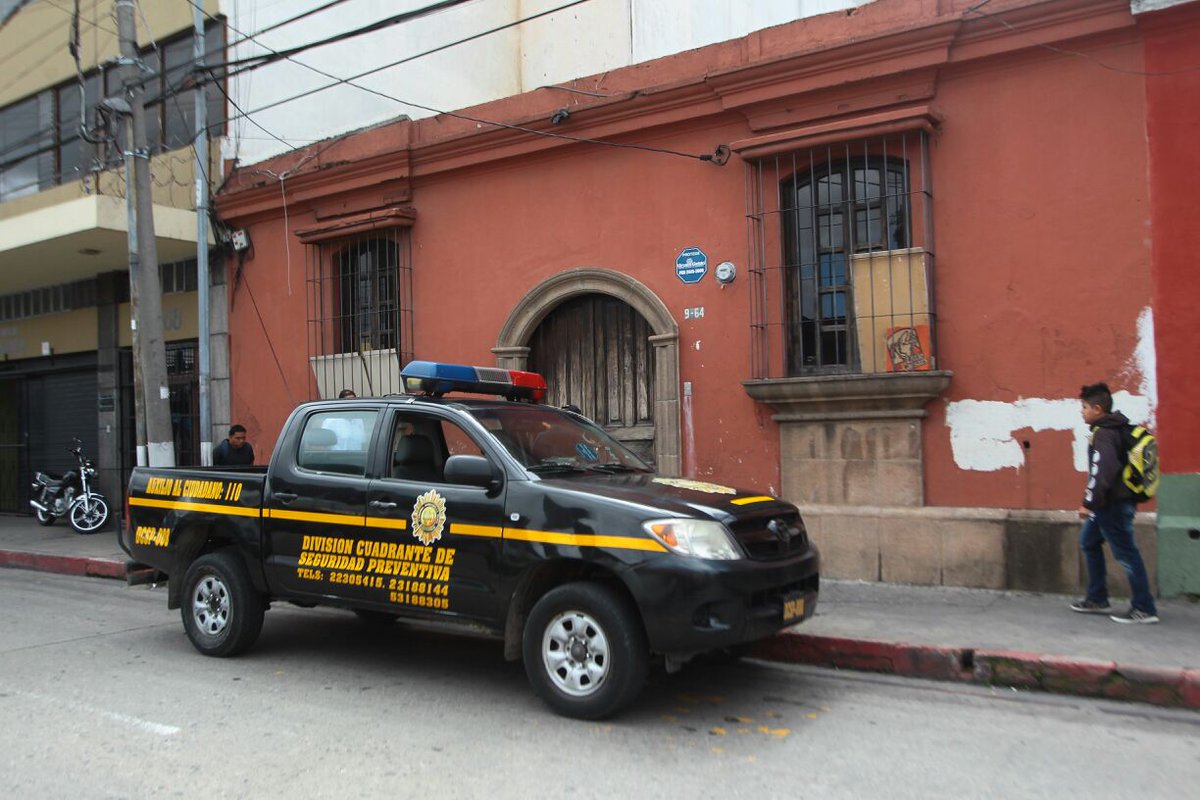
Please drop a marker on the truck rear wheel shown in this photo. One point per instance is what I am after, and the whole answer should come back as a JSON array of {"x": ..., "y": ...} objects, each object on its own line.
[
  {"x": 222, "y": 613},
  {"x": 585, "y": 650}
]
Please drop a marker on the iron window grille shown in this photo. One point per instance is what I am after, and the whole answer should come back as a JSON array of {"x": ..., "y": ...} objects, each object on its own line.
[
  {"x": 841, "y": 258},
  {"x": 360, "y": 312}
]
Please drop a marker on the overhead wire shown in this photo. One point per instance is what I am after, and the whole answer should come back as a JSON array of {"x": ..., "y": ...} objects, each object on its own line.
[
  {"x": 995, "y": 17},
  {"x": 715, "y": 157}
]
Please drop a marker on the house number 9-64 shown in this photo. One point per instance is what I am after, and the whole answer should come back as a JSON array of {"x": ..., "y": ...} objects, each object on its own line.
[{"x": 693, "y": 313}]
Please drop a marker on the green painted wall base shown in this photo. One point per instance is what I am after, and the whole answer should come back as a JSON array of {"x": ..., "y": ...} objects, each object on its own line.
[{"x": 1179, "y": 535}]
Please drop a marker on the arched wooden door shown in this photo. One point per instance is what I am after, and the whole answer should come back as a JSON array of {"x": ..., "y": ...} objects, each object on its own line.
[{"x": 595, "y": 352}]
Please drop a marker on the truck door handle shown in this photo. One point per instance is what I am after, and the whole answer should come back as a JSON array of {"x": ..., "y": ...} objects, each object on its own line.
[
  {"x": 381, "y": 504},
  {"x": 285, "y": 497}
]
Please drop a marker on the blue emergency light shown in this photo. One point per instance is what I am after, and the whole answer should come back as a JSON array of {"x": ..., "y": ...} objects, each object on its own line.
[{"x": 434, "y": 378}]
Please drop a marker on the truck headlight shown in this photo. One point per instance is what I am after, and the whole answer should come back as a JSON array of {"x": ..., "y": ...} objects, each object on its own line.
[{"x": 695, "y": 537}]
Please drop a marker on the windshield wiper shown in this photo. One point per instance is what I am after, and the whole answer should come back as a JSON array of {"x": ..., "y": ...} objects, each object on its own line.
[
  {"x": 615, "y": 468},
  {"x": 554, "y": 465}
]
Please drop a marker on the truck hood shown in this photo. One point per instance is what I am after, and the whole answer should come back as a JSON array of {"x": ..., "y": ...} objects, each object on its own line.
[{"x": 660, "y": 496}]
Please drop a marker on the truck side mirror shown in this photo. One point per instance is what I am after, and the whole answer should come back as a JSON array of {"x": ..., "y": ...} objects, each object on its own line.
[{"x": 470, "y": 471}]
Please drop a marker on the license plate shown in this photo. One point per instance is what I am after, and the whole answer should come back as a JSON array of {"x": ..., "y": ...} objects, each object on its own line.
[{"x": 793, "y": 608}]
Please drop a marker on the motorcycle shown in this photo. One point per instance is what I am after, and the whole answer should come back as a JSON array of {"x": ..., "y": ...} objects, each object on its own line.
[{"x": 70, "y": 495}]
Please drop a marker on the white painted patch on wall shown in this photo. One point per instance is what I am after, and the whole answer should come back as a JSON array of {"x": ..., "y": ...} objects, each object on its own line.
[{"x": 982, "y": 431}]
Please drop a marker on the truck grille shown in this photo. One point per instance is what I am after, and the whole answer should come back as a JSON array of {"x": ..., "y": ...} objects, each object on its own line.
[{"x": 772, "y": 537}]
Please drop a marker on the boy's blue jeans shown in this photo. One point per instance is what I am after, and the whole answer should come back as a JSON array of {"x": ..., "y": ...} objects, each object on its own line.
[{"x": 1115, "y": 526}]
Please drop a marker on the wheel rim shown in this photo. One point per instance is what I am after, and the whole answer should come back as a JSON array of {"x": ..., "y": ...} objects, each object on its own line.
[
  {"x": 576, "y": 654},
  {"x": 210, "y": 606},
  {"x": 87, "y": 516}
]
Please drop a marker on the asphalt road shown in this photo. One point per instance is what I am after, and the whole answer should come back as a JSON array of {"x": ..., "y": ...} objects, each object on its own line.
[{"x": 101, "y": 695}]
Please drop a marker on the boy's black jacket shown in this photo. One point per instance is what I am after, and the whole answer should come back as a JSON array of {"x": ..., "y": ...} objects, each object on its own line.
[{"x": 1106, "y": 458}]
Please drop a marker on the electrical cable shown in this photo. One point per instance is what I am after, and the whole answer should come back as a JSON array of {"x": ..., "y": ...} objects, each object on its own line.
[
  {"x": 396, "y": 19},
  {"x": 719, "y": 156},
  {"x": 1066, "y": 52}
]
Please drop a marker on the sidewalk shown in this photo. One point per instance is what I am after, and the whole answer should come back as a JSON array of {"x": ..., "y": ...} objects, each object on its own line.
[{"x": 1016, "y": 639}]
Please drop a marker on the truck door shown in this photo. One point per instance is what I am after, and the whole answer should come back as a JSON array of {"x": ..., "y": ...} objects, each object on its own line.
[
  {"x": 436, "y": 544},
  {"x": 314, "y": 512}
]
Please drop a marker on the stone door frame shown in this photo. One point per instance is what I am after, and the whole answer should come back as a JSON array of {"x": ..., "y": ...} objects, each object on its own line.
[{"x": 512, "y": 349}]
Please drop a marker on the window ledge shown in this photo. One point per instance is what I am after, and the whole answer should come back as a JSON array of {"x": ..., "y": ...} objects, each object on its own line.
[{"x": 894, "y": 395}]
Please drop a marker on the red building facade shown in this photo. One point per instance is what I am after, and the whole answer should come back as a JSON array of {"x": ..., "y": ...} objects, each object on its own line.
[{"x": 939, "y": 221}]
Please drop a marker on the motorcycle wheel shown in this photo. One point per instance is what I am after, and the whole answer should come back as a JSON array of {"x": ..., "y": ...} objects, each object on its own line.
[
  {"x": 89, "y": 518},
  {"x": 44, "y": 518}
]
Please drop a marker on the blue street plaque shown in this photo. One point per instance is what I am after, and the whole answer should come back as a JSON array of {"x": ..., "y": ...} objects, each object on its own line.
[{"x": 691, "y": 265}]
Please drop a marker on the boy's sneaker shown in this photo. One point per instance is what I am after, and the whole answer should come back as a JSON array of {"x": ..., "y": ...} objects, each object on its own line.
[
  {"x": 1135, "y": 617},
  {"x": 1089, "y": 607}
]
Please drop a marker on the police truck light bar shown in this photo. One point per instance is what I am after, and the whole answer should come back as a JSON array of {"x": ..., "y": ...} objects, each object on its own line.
[{"x": 434, "y": 378}]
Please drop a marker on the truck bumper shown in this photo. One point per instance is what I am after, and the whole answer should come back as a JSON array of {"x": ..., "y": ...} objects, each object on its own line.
[{"x": 691, "y": 606}]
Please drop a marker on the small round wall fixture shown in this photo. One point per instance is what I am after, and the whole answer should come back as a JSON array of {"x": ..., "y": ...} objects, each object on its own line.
[{"x": 726, "y": 272}]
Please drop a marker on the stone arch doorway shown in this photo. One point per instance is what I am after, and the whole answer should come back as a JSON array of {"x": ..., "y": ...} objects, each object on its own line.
[{"x": 513, "y": 345}]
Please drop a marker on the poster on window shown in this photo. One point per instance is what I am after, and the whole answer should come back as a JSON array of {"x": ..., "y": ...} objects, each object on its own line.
[{"x": 908, "y": 349}]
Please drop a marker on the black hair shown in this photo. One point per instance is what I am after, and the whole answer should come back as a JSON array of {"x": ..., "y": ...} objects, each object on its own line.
[
  {"x": 346, "y": 393},
  {"x": 236, "y": 429},
  {"x": 1097, "y": 394}
]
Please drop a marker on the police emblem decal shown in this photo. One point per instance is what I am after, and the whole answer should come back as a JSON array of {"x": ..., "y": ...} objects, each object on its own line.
[{"x": 429, "y": 517}]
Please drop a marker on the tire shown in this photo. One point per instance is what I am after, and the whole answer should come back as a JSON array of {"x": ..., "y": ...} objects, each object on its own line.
[
  {"x": 585, "y": 650},
  {"x": 88, "y": 520},
  {"x": 44, "y": 518},
  {"x": 376, "y": 618},
  {"x": 222, "y": 612}
]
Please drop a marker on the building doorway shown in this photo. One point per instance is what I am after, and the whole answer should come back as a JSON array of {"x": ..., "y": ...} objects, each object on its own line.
[{"x": 595, "y": 353}]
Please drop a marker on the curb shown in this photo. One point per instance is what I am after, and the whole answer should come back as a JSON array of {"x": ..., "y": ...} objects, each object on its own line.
[
  {"x": 1172, "y": 688},
  {"x": 64, "y": 565}
]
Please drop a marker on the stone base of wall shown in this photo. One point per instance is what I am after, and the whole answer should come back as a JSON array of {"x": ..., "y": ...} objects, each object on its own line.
[{"x": 985, "y": 548}]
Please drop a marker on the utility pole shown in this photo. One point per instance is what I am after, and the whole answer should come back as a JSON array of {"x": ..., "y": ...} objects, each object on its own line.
[
  {"x": 145, "y": 287},
  {"x": 202, "y": 167}
]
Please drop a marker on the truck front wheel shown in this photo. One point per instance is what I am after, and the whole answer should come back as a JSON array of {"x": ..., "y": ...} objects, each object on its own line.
[
  {"x": 585, "y": 650},
  {"x": 222, "y": 613}
]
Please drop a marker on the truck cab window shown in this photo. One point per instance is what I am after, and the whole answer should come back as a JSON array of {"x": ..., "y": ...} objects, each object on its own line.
[
  {"x": 336, "y": 441},
  {"x": 421, "y": 445}
]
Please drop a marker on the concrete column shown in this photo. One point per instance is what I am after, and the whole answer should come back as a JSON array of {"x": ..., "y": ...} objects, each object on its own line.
[
  {"x": 667, "y": 458},
  {"x": 219, "y": 393},
  {"x": 110, "y": 414},
  {"x": 512, "y": 357}
]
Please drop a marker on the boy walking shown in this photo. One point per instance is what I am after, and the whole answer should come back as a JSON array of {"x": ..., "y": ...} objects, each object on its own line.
[{"x": 1107, "y": 511}]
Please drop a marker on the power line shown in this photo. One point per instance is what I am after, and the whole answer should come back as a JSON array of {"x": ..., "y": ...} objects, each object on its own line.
[
  {"x": 277, "y": 25},
  {"x": 717, "y": 157},
  {"x": 46, "y": 34},
  {"x": 1076, "y": 53},
  {"x": 396, "y": 19}
]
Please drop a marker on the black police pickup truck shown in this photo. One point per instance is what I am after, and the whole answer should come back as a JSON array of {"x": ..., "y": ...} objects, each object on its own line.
[{"x": 523, "y": 519}]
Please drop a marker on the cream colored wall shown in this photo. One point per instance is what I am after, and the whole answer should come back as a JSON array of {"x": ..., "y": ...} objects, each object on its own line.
[
  {"x": 178, "y": 317},
  {"x": 173, "y": 185},
  {"x": 68, "y": 332},
  {"x": 35, "y": 40},
  {"x": 76, "y": 331}
]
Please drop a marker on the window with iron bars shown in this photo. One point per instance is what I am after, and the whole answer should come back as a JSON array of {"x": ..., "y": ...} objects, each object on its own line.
[
  {"x": 841, "y": 260},
  {"x": 360, "y": 312}
]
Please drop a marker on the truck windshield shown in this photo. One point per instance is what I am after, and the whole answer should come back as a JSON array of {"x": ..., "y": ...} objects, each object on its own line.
[{"x": 545, "y": 440}]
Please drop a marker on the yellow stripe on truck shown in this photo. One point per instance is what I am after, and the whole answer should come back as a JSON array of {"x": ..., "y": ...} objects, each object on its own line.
[
  {"x": 745, "y": 501},
  {"x": 187, "y": 505},
  {"x": 313, "y": 516},
  {"x": 584, "y": 540}
]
